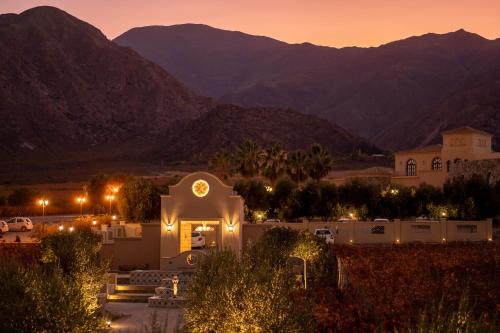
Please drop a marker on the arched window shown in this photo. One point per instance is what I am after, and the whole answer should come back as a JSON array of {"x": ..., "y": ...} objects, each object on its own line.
[
  {"x": 437, "y": 165},
  {"x": 411, "y": 167}
]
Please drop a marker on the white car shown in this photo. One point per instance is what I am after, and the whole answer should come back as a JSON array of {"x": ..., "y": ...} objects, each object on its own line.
[
  {"x": 20, "y": 224},
  {"x": 4, "y": 227},
  {"x": 381, "y": 220},
  {"x": 197, "y": 239},
  {"x": 326, "y": 234}
]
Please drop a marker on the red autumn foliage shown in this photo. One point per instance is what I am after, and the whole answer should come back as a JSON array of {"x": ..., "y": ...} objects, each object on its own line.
[
  {"x": 391, "y": 285},
  {"x": 24, "y": 254}
]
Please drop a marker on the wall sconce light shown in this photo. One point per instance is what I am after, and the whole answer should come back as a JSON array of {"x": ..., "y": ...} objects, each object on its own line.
[
  {"x": 61, "y": 228},
  {"x": 444, "y": 239},
  {"x": 170, "y": 227},
  {"x": 230, "y": 227},
  {"x": 397, "y": 240},
  {"x": 71, "y": 229},
  {"x": 351, "y": 241}
]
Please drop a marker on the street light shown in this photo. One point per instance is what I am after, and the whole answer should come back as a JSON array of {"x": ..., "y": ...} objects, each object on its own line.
[
  {"x": 81, "y": 201},
  {"x": 43, "y": 203},
  {"x": 110, "y": 198}
]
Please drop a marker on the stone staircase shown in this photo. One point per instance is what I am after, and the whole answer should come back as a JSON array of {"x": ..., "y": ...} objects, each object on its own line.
[{"x": 145, "y": 287}]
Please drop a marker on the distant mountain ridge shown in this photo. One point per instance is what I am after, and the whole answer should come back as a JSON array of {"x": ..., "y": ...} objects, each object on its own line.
[
  {"x": 382, "y": 93},
  {"x": 227, "y": 126},
  {"x": 69, "y": 94}
]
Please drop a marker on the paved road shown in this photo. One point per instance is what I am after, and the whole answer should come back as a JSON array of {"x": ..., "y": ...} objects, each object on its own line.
[
  {"x": 136, "y": 317},
  {"x": 25, "y": 237},
  {"x": 10, "y": 237}
]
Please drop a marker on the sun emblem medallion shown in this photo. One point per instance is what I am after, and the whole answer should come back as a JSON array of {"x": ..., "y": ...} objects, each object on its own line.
[{"x": 200, "y": 188}]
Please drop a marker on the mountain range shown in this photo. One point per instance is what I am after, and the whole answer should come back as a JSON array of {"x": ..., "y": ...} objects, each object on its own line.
[
  {"x": 399, "y": 95},
  {"x": 67, "y": 93}
]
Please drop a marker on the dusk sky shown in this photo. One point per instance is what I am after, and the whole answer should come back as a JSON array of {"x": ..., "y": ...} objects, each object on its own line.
[{"x": 325, "y": 22}]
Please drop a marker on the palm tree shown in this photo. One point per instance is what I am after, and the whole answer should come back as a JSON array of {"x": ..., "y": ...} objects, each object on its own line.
[
  {"x": 221, "y": 164},
  {"x": 247, "y": 159},
  {"x": 319, "y": 162},
  {"x": 273, "y": 163},
  {"x": 297, "y": 166}
]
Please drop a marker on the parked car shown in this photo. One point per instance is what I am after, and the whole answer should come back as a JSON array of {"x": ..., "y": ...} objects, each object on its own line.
[
  {"x": 273, "y": 220},
  {"x": 20, "y": 224},
  {"x": 381, "y": 220},
  {"x": 197, "y": 239},
  {"x": 345, "y": 220},
  {"x": 4, "y": 227},
  {"x": 326, "y": 234}
]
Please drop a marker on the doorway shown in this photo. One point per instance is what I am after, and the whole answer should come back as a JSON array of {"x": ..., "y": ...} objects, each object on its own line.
[{"x": 197, "y": 235}]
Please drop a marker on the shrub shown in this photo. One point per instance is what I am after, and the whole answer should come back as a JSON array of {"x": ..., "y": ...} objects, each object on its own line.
[
  {"x": 58, "y": 293},
  {"x": 257, "y": 293}
]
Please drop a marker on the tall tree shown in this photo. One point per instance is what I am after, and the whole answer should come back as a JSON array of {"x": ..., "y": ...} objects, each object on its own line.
[
  {"x": 319, "y": 162},
  {"x": 221, "y": 164},
  {"x": 297, "y": 166},
  {"x": 140, "y": 200},
  {"x": 247, "y": 159},
  {"x": 273, "y": 163}
]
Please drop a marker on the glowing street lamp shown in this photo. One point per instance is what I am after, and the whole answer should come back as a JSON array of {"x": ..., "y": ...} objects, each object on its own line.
[
  {"x": 81, "y": 200},
  {"x": 43, "y": 203},
  {"x": 110, "y": 198}
]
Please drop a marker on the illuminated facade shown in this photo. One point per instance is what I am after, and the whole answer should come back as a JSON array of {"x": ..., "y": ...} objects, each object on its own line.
[
  {"x": 199, "y": 202},
  {"x": 432, "y": 164}
]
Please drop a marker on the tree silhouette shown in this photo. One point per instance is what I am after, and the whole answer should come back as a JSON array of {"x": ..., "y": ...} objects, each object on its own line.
[
  {"x": 247, "y": 159},
  {"x": 319, "y": 162},
  {"x": 297, "y": 166},
  {"x": 273, "y": 163},
  {"x": 221, "y": 164}
]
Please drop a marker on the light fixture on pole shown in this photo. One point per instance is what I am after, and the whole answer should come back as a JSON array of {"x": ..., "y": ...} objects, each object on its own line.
[
  {"x": 81, "y": 200},
  {"x": 43, "y": 203},
  {"x": 110, "y": 198}
]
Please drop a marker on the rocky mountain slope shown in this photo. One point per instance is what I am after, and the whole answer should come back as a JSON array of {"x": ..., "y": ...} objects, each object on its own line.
[
  {"x": 382, "y": 93},
  {"x": 65, "y": 88},
  {"x": 226, "y": 126},
  {"x": 69, "y": 96}
]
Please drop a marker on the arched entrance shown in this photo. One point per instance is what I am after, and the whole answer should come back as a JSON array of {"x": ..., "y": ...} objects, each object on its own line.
[{"x": 199, "y": 204}]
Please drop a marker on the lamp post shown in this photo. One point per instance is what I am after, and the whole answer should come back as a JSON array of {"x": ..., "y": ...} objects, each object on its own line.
[
  {"x": 110, "y": 198},
  {"x": 81, "y": 201},
  {"x": 43, "y": 203}
]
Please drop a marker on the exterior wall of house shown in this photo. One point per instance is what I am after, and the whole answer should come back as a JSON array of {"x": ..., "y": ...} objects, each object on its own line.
[
  {"x": 458, "y": 147},
  {"x": 220, "y": 207},
  {"x": 141, "y": 252},
  {"x": 354, "y": 232},
  {"x": 144, "y": 252},
  {"x": 490, "y": 169}
]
